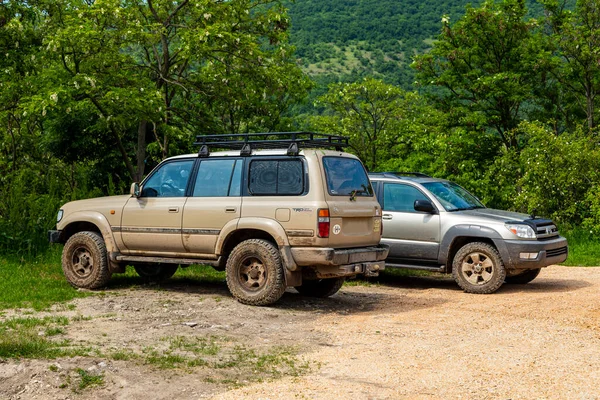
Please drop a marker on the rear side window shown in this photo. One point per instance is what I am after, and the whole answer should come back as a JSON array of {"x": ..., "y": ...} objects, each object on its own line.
[
  {"x": 218, "y": 178},
  {"x": 401, "y": 198},
  {"x": 346, "y": 177},
  {"x": 276, "y": 177}
]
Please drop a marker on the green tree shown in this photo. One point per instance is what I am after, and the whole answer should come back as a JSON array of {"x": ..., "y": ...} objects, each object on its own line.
[
  {"x": 486, "y": 66},
  {"x": 382, "y": 121},
  {"x": 576, "y": 36}
]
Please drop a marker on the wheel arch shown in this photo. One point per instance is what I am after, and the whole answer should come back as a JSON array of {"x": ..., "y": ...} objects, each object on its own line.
[
  {"x": 88, "y": 221},
  {"x": 238, "y": 236},
  {"x": 460, "y": 235}
]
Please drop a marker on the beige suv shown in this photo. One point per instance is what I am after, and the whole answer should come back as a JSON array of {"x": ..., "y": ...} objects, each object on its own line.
[{"x": 287, "y": 209}]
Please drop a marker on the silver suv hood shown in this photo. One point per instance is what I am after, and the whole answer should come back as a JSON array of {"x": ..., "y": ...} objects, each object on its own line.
[{"x": 495, "y": 215}]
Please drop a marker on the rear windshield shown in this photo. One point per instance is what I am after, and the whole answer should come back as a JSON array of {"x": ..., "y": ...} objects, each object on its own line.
[{"x": 346, "y": 177}]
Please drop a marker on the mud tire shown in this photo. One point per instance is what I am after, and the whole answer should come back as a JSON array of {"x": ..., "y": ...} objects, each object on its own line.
[
  {"x": 524, "y": 277},
  {"x": 320, "y": 287},
  {"x": 84, "y": 261},
  {"x": 478, "y": 268},
  {"x": 155, "y": 273},
  {"x": 254, "y": 273}
]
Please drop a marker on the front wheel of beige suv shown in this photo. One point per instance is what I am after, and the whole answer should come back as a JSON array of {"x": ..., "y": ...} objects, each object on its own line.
[
  {"x": 84, "y": 261},
  {"x": 320, "y": 287},
  {"x": 478, "y": 268},
  {"x": 254, "y": 273}
]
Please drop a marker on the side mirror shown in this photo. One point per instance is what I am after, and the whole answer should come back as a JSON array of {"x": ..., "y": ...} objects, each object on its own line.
[
  {"x": 425, "y": 206},
  {"x": 135, "y": 189}
]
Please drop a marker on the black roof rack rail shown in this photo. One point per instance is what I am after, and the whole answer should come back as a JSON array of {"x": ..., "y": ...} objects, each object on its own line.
[
  {"x": 246, "y": 142},
  {"x": 400, "y": 174}
]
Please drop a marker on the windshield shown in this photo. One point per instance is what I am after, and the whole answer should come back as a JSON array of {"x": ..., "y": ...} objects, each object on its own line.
[
  {"x": 452, "y": 196},
  {"x": 346, "y": 177}
]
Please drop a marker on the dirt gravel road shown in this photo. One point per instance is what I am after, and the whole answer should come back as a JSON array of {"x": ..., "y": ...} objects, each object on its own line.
[{"x": 414, "y": 338}]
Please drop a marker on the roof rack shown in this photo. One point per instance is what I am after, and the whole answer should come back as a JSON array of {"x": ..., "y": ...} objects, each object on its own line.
[
  {"x": 399, "y": 174},
  {"x": 246, "y": 142}
]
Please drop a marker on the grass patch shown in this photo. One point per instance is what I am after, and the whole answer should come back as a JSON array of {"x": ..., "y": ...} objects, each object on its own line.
[
  {"x": 584, "y": 249},
  {"x": 226, "y": 356},
  {"x": 29, "y": 338},
  {"x": 36, "y": 282},
  {"x": 87, "y": 380}
]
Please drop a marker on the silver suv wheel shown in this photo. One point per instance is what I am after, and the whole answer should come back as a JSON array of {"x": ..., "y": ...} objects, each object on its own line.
[{"x": 478, "y": 268}]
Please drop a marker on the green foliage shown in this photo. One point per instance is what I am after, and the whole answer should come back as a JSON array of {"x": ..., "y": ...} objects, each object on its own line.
[
  {"x": 384, "y": 123},
  {"x": 35, "y": 283},
  {"x": 554, "y": 176},
  {"x": 486, "y": 65}
]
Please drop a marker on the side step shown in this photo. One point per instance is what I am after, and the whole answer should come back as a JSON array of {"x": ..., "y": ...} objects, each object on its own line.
[
  {"x": 432, "y": 268},
  {"x": 166, "y": 260}
]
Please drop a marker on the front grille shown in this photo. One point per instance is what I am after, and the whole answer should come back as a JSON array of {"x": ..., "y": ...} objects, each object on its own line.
[
  {"x": 545, "y": 230},
  {"x": 556, "y": 252}
]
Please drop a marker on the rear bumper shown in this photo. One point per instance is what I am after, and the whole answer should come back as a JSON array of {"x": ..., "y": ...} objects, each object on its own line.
[
  {"x": 548, "y": 252},
  {"x": 320, "y": 256}
]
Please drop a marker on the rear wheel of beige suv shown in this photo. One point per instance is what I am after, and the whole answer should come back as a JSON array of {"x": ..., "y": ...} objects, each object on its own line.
[
  {"x": 478, "y": 268},
  {"x": 320, "y": 287},
  {"x": 254, "y": 273},
  {"x": 84, "y": 261}
]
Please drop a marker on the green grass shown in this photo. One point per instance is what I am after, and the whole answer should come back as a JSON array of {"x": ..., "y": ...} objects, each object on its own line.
[
  {"x": 584, "y": 249},
  {"x": 29, "y": 338},
  {"x": 87, "y": 379},
  {"x": 34, "y": 283}
]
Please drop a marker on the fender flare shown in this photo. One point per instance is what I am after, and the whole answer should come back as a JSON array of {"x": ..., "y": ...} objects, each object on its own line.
[
  {"x": 267, "y": 225},
  {"x": 98, "y": 220},
  {"x": 472, "y": 231}
]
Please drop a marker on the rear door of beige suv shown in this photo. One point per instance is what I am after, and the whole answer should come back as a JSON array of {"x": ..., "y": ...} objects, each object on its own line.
[
  {"x": 352, "y": 203},
  {"x": 214, "y": 203}
]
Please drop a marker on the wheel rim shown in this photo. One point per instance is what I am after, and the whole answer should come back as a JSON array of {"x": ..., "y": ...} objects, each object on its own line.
[
  {"x": 477, "y": 268},
  {"x": 83, "y": 262},
  {"x": 253, "y": 274}
]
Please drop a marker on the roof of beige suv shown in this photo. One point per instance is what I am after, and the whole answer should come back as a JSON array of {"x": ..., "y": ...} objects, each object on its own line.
[{"x": 275, "y": 152}]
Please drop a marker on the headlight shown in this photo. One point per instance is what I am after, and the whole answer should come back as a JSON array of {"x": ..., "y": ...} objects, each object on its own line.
[
  {"x": 59, "y": 216},
  {"x": 522, "y": 231}
]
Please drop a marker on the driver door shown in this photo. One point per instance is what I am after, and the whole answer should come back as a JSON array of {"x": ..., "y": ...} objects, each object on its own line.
[{"x": 151, "y": 223}]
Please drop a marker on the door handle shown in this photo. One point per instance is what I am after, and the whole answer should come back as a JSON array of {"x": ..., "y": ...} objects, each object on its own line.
[
  {"x": 387, "y": 216},
  {"x": 230, "y": 209},
  {"x": 173, "y": 209}
]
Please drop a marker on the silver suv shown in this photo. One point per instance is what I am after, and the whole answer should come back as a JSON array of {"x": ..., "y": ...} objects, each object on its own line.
[
  {"x": 436, "y": 225},
  {"x": 275, "y": 210}
]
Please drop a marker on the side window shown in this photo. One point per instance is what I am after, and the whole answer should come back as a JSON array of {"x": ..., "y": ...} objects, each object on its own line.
[
  {"x": 276, "y": 177},
  {"x": 401, "y": 198},
  {"x": 218, "y": 178},
  {"x": 170, "y": 180}
]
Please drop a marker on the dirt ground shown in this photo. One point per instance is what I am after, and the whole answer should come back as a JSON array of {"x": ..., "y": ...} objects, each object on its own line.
[{"x": 416, "y": 338}]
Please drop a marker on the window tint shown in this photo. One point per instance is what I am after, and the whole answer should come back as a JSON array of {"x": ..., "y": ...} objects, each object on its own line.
[
  {"x": 215, "y": 178},
  {"x": 276, "y": 177},
  {"x": 401, "y": 198},
  {"x": 346, "y": 176},
  {"x": 170, "y": 180}
]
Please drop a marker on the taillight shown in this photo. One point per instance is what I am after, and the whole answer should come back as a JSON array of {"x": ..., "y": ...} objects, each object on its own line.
[{"x": 323, "y": 223}]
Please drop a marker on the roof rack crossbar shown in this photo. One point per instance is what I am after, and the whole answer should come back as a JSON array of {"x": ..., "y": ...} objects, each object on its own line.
[
  {"x": 400, "y": 174},
  {"x": 272, "y": 140}
]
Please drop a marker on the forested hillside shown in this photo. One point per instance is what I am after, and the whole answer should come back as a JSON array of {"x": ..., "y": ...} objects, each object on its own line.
[{"x": 348, "y": 39}]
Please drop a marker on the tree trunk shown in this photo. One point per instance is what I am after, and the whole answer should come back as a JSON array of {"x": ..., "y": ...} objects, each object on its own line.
[{"x": 141, "y": 150}]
